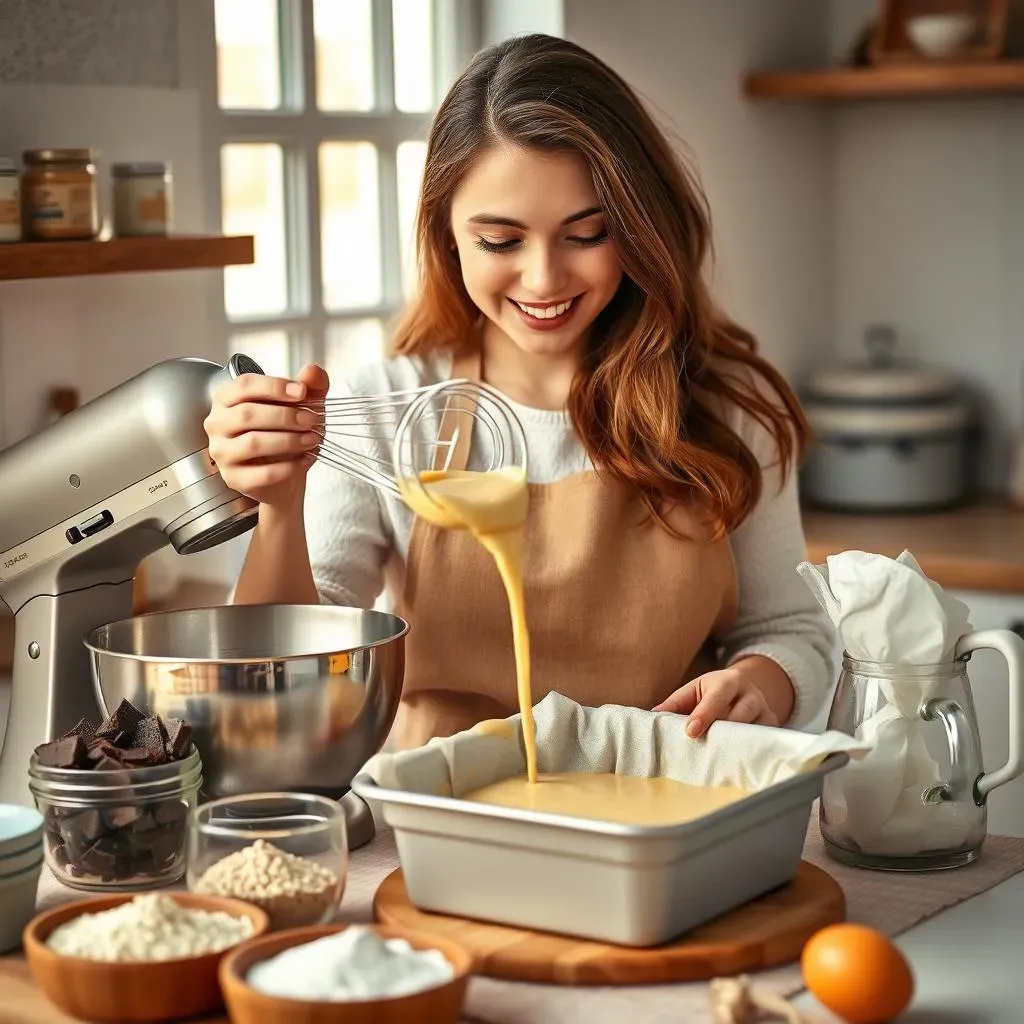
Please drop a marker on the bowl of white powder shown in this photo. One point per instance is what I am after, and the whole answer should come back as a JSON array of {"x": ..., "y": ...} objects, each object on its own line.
[
  {"x": 345, "y": 974},
  {"x": 149, "y": 957}
]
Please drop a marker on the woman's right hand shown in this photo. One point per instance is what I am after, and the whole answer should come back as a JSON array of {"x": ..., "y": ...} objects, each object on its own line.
[{"x": 263, "y": 437}]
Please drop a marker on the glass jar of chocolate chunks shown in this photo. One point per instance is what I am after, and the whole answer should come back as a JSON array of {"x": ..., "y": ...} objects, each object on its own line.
[{"x": 116, "y": 800}]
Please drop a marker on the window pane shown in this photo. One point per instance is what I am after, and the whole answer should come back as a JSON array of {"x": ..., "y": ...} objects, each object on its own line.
[
  {"x": 271, "y": 349},
  {"x": 350, "y": 225},
  {"x": 252, "y": 184},
  {"x": 344, "y": 54},
  {"x": 248, "y": 54},
  {"x": 350, "y": 344},
  {"x": 410, "y": 158},
  {"x": 413, "y": 27}
]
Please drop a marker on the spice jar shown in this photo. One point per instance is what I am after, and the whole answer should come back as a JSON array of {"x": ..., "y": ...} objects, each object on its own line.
[
  {"x": 142, "y": 199},
  {"x": 59, "y": 195},
  {"x": 10, "y": 202}
]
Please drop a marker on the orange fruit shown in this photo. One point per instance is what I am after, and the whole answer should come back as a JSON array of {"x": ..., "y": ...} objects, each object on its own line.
[{"x": 857, "y": 973}]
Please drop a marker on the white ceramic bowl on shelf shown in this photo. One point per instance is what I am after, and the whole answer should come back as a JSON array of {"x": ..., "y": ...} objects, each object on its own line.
[{"x": 940, "y": 35}]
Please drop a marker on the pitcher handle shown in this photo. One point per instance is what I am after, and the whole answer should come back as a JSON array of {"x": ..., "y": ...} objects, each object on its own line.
[{"x": 1011, "y": 647}]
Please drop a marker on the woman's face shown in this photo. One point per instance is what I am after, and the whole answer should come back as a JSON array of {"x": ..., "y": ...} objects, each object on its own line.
[{"x": 536, "y": 259}]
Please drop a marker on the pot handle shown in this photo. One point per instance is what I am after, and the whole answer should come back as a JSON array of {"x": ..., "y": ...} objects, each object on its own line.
[{"x": 1011, "y": 647}]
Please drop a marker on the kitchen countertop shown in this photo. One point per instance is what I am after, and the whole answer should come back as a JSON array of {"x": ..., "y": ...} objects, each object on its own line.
[
  {"x": 980, "y": 932},
  {"x": 976, "y": 547}
]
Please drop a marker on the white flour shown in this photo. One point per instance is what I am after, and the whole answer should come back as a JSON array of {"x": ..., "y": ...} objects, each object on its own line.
[
  {"x": 353, "y": 964},
  {"x": 150, "y": 927}
]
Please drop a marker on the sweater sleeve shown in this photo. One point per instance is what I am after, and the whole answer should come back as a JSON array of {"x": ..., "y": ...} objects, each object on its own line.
[{"x": 778, "y": 616}]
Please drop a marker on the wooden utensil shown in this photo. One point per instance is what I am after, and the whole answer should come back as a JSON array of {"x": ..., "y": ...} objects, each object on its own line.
[
  {"x": 246, "y": 1005},
  {"x": 133, "y": 991},
  {"x": 768, "y": 931}
]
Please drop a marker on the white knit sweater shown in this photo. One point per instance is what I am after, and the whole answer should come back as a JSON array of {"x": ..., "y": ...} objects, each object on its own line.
[{"x": 353, "y": 529}]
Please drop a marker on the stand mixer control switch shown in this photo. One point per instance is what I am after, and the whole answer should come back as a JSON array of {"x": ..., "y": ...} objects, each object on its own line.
[{"x": 92, "y": 526}]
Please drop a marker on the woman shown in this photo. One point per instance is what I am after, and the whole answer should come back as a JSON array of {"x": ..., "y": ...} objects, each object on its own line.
[{"x": 561, "y": 248}]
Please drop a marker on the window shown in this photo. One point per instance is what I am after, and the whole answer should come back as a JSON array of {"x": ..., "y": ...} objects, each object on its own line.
[{"x": 323, "y": 106}]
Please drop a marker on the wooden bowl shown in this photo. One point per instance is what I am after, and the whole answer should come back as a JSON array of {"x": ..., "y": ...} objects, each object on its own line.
[
  {"x": 152, "y": 990},
  {"x": 246, "y": 1005}
]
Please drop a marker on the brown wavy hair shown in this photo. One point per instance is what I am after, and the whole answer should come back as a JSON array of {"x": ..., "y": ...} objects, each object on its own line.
[{"x": 663, "y": 362}]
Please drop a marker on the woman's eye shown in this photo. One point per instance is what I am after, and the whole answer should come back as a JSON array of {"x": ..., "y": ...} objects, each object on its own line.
[
  {"x": 483, "y": 243},
  {"x": 587, "y": 240}
]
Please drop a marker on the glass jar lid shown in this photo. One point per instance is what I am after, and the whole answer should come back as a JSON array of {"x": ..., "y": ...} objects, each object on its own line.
[
  {"x": 149, "y": 169},
  {"x": 58, "y": 156},
  {"x": 8, "y": 165}
]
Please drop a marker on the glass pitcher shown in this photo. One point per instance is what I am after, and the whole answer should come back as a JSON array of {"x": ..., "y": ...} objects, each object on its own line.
[{"x": 916, "y": 801}]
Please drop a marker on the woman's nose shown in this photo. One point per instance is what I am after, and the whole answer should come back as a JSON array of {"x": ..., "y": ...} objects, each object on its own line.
[{"x": 543, "y": 274}]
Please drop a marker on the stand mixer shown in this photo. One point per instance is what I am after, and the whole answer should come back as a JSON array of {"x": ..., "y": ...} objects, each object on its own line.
[{"x": 81, "y": 504}]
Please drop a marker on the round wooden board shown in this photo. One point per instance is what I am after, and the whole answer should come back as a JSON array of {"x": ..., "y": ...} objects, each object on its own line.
[{"x": 768, "y": 931}]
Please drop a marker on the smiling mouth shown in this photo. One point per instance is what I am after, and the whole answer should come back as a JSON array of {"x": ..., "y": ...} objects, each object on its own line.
[{"x": 545, "y": 312}]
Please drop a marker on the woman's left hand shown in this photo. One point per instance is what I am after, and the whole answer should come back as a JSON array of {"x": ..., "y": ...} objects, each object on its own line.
[{"x": 730, "y": 693}]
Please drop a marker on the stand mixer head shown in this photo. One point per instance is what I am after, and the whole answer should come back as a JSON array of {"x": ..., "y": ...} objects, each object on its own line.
[{"x": 81, "y": 504}]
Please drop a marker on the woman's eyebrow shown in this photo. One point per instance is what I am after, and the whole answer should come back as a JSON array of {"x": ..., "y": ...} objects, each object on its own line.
[{"x": 508, "y": 222}]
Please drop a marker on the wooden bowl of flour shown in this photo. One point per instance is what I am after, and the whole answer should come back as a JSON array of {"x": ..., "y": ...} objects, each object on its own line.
[{"x": 133, "y": 990}]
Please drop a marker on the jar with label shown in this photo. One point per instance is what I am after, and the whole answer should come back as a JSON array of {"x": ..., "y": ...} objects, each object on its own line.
[
  {"x": 10, "y": 201},
  {"x": 60, "y": 199},
  {"x": 142, "y": 199}
]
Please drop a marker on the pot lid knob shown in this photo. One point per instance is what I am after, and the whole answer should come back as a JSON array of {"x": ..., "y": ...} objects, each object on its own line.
[{"x": 880, "y": 340}]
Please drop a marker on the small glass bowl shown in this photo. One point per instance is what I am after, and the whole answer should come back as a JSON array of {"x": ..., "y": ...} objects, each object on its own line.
[{"x": 287, "y": 853}]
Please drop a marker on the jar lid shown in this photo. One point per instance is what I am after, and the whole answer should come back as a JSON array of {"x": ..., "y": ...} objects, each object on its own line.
[
  {"x": 882, "y": 378},
  {"x": 8, "y": 165},
  {"x": 140, "y": 170},
  {"x": 58, "y": 156}
]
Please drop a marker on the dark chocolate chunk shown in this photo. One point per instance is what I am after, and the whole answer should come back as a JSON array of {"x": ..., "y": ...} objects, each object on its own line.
[
  {"x": 166, "y": 848},
  {"x": 69, "y": 752},
  {"x": 122, "y": 817},
  {"x": 169, "y": 811},
  {"x": 108, "y": 764},
  {"x": 151, "y": 738},
  {"x": 84, "y": 729},
  {"x": 97, "y": 860},
  {"x": 179, "y": 738},
  {"x": 125, "y": 718}
]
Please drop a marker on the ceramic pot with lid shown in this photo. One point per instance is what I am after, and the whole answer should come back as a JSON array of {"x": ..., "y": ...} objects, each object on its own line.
[{"x": 890, "y": 434}]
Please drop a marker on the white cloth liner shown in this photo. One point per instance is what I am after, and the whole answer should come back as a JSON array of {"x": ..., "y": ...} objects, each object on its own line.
[{"x": 609, "y": 739}]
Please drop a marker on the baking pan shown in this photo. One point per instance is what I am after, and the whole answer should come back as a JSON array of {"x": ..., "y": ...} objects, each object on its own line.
[{"x": 624, "y": 884}]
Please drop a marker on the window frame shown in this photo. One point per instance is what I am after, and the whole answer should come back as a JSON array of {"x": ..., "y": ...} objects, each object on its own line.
[{"x": 299, "y": 128}]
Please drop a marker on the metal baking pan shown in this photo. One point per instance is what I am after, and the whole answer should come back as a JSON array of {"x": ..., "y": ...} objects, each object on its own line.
[{"x": 623, "y": 884}]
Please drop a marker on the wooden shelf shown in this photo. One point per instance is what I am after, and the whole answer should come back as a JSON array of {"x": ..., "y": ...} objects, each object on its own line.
[
  {"x": 888, "y": 82},
  {"x": 21, "y": 261}
]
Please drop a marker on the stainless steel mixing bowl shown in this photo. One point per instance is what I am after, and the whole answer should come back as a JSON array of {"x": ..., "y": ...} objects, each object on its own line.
[{"x": 279, "y": 697}]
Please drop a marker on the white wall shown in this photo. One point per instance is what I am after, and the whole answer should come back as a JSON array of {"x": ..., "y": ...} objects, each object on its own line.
[
  {"x": 500, "y": 19},
  {"x": 109, "y": 79},
  {"x": 767, "y": 169},
  {"x": 929, "y": 236}
]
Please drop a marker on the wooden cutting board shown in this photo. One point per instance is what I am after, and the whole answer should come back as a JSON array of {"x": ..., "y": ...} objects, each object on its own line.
[{"x": 766, "y": 932}]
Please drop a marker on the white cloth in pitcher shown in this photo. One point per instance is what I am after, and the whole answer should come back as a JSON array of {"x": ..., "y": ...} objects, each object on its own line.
[{"x": 888, "y": 611}]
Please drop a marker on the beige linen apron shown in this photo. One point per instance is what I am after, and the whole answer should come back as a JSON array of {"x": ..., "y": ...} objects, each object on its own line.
[{"x": 619, "y": 611}]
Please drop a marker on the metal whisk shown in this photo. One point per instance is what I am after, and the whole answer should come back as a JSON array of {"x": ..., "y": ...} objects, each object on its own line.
[{"x": 426, "y": 428}]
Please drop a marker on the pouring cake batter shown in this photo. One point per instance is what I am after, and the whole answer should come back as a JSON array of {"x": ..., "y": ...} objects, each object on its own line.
[
  {"x": 562, "y": 249},
  {"x": 493, "y": 507}
]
